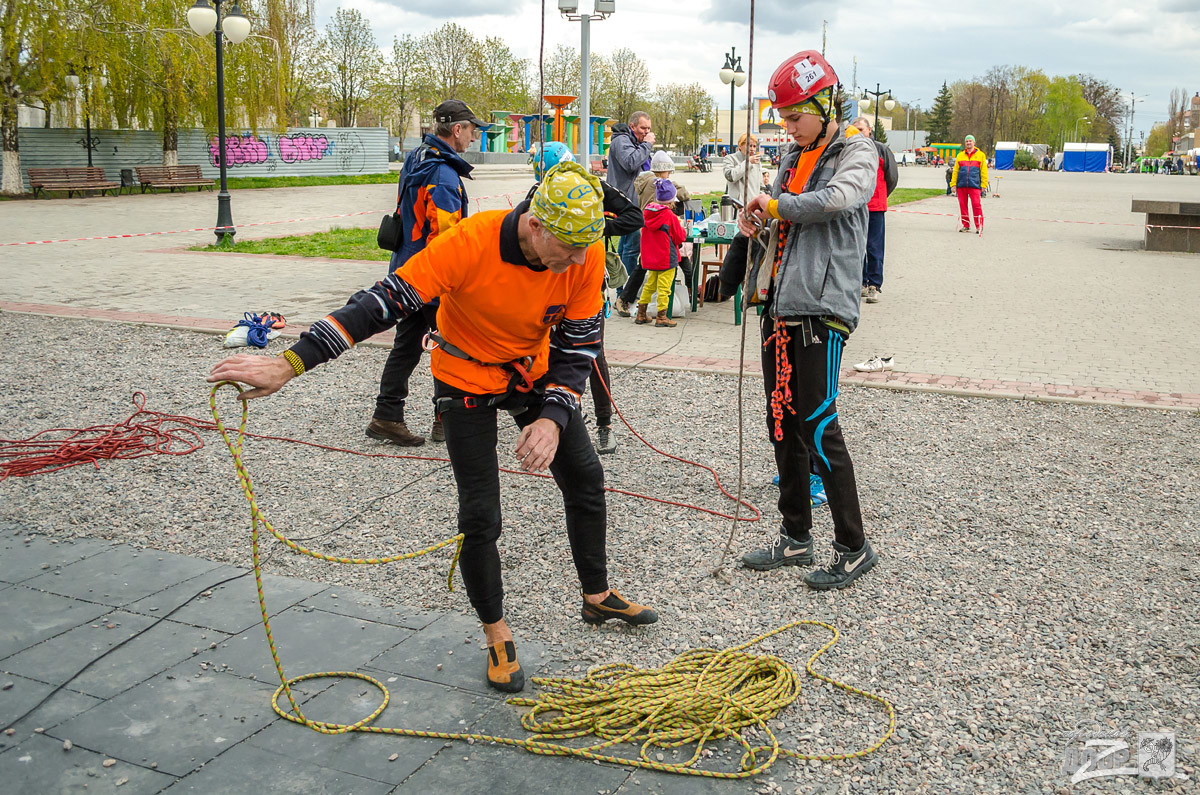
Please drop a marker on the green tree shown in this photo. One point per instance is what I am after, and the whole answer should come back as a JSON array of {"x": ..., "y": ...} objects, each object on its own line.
[
  {"x": 300, "y": 64},
  {"x": 501, "y": 79},
  {"x": 1158, "y": 142},
  {"x": 941, "y": 116},
  {"x": 1065, "y": 108},
  {"x": 447, "y": 52},
  {"x": 353, "y": 64},
  {"x": 880, "y": 134},
  {"x": 628, "y": 83},
  {"x": 407, "y": 88}
]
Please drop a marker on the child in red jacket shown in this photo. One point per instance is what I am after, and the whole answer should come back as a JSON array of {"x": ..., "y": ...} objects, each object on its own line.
[{"x": 661, "y": 238}]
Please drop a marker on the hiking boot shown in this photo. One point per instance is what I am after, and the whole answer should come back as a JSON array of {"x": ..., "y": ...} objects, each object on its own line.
[
  {"x": 604, "y": 440},
  {"x": 783, "y": 551},
  {"x": 662, "y": 321},
  {"x": 641, "y": 315},
  {"x": 616, "y": 607},
  {"x": 875, "y": 364},
  {"x": 623, "y": 307},
  {"x": 436, "y": 433},
  {"x": 816, "y": 491},
  {"x": 394, "y": 432},
  {"x": 872, "y": 296},
  {"x": 844, "y": 567},
  {"x": 503, "y": 671}
]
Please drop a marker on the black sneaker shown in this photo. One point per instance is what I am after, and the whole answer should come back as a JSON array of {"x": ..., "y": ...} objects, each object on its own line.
[
  {"x": 783, "y": 551},
  {"x": 844, "y": 567},
  {"x": 604, "y": 440}
]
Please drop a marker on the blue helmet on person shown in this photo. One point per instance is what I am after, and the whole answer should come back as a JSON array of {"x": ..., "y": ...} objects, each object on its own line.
[{"x": 556, "y": 152}]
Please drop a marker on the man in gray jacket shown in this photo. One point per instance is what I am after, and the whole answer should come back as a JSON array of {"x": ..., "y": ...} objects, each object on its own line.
[
  {"x": 628, "y": 156},
  {"x": 812, "y": 274}
]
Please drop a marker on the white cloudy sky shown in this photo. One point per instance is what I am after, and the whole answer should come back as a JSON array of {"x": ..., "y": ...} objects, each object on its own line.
[{"x": 909, "y": 46}]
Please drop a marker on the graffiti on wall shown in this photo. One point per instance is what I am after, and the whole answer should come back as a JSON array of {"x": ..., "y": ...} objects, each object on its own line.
[{"x": 345, "y": 146}]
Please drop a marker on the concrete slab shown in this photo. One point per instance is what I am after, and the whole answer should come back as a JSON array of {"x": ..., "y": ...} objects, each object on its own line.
[
  {"x": 121, "y": 576},
  {"x": 31, "y": 616},
  {"x": 357, "y": 604},
  {"x": 54, "y": 661},
  {"x": 249, "y": 769},
  {"x": 40, "y": 765},
  {"x": 414, "y": 705},
  {"x": 180, "y": 719},
  {"x": 231, "y": 608},
  {"x": 304, "y": 639},
  {"x": 26, "y": 557},
  {"x": 452, "y": 642},
  {"x": 22, "y": 696}
]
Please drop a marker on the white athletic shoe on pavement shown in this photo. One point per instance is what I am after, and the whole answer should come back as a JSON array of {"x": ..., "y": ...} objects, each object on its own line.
[{"x": 875, "y": 364}]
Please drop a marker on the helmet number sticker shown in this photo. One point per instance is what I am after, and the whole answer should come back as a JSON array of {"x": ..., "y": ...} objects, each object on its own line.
[{"x": 807, "y": 74}]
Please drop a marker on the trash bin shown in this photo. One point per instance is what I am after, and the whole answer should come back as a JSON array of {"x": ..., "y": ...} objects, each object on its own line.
[{"x": 127, "y": 179}]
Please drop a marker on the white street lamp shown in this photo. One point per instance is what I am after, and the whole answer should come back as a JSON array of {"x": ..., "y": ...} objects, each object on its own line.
[{"x": 603, "y": 10}]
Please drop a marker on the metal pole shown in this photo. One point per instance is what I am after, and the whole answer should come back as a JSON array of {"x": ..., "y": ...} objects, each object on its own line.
[
  {"x": 585, "y": 102},
  {"x": 87, "y": 122},
  {"x": 225, "y": 228}
]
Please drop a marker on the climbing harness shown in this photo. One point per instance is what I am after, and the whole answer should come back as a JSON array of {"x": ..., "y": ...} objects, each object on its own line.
[{"x": 520, "y": 383}]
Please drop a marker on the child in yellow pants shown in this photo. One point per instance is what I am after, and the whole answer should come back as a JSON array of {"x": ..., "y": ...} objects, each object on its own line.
[{"x": 661, "y": 238}]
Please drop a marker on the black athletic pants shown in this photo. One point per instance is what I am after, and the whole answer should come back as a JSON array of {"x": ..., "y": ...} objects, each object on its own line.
[
  {"x": 401, "y": 361},
  {"x": 600, "y": 398},
  {"x": 471, "y": 445},
  {"x": 813, "y": 428}
]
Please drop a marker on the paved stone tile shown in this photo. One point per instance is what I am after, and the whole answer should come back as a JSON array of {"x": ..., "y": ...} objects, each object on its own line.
[
  {"x": 248, "y": 769},
  {"x": 453, "y": 642},
  {"x": 231, "y": 608},
  {"x": 56, "y": 660},
  {"x": 120, "y": 576},
  {"x": 23, "y": 557},
  {"x": 357, "y": 604},
  {"x": 414, "y": 705},
  {"x": 652, "y": 782},
  {"x": 40, "y": 765},
  {"x": 21, "y": 697},
  {"x": 180, "y": 719},
  {"x": 31, "y": 616},
  {"x": 308, "y": 641},
  {"x": 486, "y": 767}
]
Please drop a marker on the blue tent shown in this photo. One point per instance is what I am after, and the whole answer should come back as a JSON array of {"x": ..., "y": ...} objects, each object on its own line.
[
  {"x": 1095, "y": 158},
  {"x": 1006, "y": 152}
]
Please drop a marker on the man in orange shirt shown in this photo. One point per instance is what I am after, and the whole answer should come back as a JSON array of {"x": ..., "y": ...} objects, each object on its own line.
[{"x": 520, "y": 319}]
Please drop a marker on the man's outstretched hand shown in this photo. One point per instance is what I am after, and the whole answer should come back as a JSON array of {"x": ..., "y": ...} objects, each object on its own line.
[
  {"x": 267, "y": 374},
  {"x": 537, "y": 445}
]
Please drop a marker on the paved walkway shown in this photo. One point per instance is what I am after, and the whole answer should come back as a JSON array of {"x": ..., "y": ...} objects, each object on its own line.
[{"x": 1054, "y": 298}]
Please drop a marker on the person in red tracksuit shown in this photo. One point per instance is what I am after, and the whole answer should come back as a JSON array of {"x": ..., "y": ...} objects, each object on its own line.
[{"x": 970, "y": 177}]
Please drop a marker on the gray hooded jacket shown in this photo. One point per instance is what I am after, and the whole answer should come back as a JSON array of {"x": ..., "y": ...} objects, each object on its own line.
[{"x": 821, "y": 270}]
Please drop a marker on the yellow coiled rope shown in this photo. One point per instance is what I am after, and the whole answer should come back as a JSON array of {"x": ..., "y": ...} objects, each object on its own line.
[{"x": 701, "y": 696}]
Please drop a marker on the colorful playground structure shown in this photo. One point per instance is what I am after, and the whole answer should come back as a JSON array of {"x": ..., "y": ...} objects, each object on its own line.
[{"x": 516, "y": 132}]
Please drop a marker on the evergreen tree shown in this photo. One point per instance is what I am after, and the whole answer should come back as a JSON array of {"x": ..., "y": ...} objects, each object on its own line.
[
  {"x": 942, "y": 116},
  {"x": 880, "y": 134}
]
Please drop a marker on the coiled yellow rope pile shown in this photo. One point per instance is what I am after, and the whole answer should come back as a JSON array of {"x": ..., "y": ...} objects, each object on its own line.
[{"x": 702, "y": 696}]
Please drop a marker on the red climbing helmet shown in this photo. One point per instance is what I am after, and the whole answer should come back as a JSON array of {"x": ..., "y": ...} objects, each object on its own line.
[{"x": 799, "y": 78}]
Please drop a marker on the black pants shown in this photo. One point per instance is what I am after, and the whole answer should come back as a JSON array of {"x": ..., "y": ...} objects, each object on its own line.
[
  {"x": 733, "y": 269},
  {"x": 600, "y": 398},
  {"x": 471, "y": 445},
  {"x": 631, "y": 293},
  {"x": 401, "y": 361},
  {"x": 813, "y": 428}
]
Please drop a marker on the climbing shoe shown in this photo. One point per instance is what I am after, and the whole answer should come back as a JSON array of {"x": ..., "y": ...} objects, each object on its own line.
[
  {"x": 783, "y": 551},
  {"x": 395, "y": 432},
  {"x": 844, "y": 567},
  {"x": 816, "y": 491},
  {"x": 604, "y": 440},
  {"x": 503, "y": 671},
  {"x": 616, "y": 607},
  {"x": 436, "y": 433}
]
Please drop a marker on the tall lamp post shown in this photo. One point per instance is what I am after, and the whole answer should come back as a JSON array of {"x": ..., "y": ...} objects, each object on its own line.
[
  {"x": 865, "y": 103},
  {"x": 1081, "y": 118},
  {"x": 1129, "y": 148},
  {"x": 74, "y": 81},
  {"x": 204, "y": 19},
  {"x": 733, "y": 76},
  {"x": 570, "y": 10},
  {"x": 694, "y": 122},
  {"x": 912, "y": 135}
]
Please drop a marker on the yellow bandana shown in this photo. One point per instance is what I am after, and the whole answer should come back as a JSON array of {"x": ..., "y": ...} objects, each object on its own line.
[
  {"x": 570, "y": 203},
  {"x": 819, "y": 104}
]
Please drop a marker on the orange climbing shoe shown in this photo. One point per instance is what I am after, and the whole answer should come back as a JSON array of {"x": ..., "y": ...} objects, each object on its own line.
[
  {"x": 503, "y": 671},
  {"x": 617, "y": 607}
]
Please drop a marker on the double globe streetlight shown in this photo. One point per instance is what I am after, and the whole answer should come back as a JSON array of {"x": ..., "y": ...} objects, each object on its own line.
[
  {"x": 864, "y": 104},
  {"x": 733, "y": 76},
  {"x": 696, "y": 122},
  {"x": 204, "y": 19}
]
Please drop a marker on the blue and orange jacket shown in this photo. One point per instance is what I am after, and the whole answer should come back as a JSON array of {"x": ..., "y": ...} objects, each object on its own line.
[
  {"x": 431, "y": 197},
  {"x": 970, "y": 171}
]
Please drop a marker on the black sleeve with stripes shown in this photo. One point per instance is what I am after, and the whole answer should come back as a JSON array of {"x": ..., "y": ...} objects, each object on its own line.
[
  {"x": 367, "y": 313},
  {"x": 574, "y": 346}
]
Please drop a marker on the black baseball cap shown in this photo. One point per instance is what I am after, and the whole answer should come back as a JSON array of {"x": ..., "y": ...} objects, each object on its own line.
[{"x": 453, "y": 110}]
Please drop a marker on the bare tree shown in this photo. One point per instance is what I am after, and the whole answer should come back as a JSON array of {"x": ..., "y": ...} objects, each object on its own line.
[
  {"x": 353, "y": 63},
  {"x": 290, "y": 22},
  {"x": 1176, "y": 105},
  {"x": 408, "y": 84},
  {"x": 561, "y": 69},
  {"x": 629, "y": 84},
  {"x": 1110, "y": 110},
  {"x": 447, "y": 51}
]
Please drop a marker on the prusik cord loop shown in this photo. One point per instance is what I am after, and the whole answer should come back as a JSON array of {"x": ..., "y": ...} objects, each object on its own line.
[{"x": 701, "y": 696}]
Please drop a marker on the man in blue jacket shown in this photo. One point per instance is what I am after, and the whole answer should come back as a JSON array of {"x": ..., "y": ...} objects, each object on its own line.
[
  {"x": 431, "y": 200},
  {"x": 629, "y": 155}
]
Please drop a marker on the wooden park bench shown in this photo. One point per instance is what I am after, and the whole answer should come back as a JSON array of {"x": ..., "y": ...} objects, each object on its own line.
[
  {"x": 155, "y": 177},
  {"x": 72, "y": 179},
  {"x": 1171, "y": 225},
  {"x": 597, "y": 168}
]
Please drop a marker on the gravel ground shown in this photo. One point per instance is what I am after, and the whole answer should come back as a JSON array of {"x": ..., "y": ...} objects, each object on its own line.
[{"x": 1038, "y": 570}]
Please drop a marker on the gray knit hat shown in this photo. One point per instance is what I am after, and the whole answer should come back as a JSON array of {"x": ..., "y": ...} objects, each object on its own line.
[{"x": 661, "y": 161}]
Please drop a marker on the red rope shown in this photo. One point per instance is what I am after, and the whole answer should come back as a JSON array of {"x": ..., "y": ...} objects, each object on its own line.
[{"x": 781, "y": 395}]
